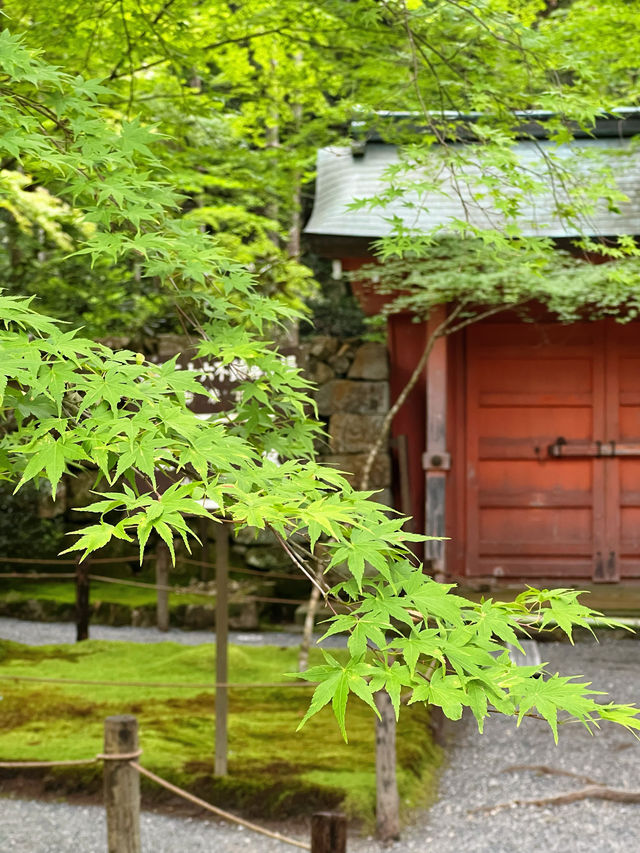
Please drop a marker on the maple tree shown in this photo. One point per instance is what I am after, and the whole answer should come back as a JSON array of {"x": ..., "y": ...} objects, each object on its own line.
[{"x": 70, "y": 404}]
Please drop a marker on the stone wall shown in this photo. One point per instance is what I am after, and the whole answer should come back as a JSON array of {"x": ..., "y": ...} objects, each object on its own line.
[
  {"x": 352, "y": 399},
  {"x": 352, "y": 396}
]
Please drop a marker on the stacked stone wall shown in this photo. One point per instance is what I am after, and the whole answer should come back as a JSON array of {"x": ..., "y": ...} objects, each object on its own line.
[{"x": 352, "y": 398}]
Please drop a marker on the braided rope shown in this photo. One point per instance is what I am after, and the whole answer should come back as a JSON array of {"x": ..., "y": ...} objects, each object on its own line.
[
  {"x": 75, "y": 762},
  {"x": 220, "y": 812}
]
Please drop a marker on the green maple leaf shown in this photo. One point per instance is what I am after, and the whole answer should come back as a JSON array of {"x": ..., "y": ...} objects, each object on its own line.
[
  {"x": 445, "y": 691},
  {"x": 557, "y": 693}
]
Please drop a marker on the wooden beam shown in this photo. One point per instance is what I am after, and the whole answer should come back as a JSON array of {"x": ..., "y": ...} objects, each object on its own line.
[
  {"x": 222, "y": 637},
  {"x": 83, "y": 611},
  {"x": 121, "y": 785},
  {"x": 163, "y": 560},
  {"x": 436, "y": 460}
]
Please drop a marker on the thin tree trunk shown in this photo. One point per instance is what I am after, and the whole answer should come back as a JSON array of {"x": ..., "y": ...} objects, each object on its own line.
[
  {"x": 387, "y": 798},
  {"x": 310, "y": 618},
  {"x": 293, "y": 247},
  {"x": 272, "y": 141}
]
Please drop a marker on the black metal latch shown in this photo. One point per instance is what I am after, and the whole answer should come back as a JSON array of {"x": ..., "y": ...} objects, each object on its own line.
[{"x": 605, "y": 572}]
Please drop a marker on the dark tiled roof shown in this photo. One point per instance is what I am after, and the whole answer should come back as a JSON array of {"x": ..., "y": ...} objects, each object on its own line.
[{"x": 344, "y": 177}]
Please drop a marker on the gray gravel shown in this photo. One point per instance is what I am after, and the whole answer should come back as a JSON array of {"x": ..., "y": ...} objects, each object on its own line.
[
  {"x": 47, "y": 633},
  {"x": 476, "y": 776}
]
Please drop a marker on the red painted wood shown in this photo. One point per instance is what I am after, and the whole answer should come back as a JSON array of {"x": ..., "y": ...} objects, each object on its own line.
[
  {"x": 406, "y": 342},
  {"x": 513, "y": 389},
  {"x": 456, "y": 420},
  {"x": 530, "y": 515},
  {"x": 623, "y": 413}
]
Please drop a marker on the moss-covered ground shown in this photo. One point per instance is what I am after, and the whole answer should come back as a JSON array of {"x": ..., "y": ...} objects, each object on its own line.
[
  {"x": 273, "y": 772},
  {"x": 64, "y": 592}
]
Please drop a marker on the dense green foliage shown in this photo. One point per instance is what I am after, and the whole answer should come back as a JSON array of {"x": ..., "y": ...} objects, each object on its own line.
[
  {"x": 69, "y": 404},
  {"x": 476, "y": 282},
  {"x": 242, "y": 95}
]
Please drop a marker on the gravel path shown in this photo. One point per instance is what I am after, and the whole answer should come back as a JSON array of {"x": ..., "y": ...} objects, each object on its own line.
[
  {"x": 47, "y": 633},
  {"x": 476, "y": 776}
]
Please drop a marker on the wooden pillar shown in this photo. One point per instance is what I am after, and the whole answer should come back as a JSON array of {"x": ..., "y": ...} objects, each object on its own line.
[
  {"x": 205, "y": 555},
  {"x": 82, "y": 600},
  {"x": 222, "y": 635},
  {"x": 121, "y": 786},
  {"x": 387, "y": 799},
  {"x": 328, "y": 833},
  {"x": 162, "y": 581},
  {"x": 436, "y": 460}
]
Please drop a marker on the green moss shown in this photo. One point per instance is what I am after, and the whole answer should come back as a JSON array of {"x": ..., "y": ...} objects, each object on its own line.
[
  {"x": 273, "y": 771},
  {"x": 64, "y": 592}
]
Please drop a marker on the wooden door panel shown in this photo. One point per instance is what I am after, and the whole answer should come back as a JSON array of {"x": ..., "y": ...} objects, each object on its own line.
[
  {"x": 629, "y": 482},
  {"x": 629, "y": 420},
  {"x": 624, "y": 426},
  {"x": 513, "y": 432},
  {"x": 529, "y": 377},
  {"x": 513, "y": 530},
  {"x": 629, "y": 369},
  {"x": 576, "y": 339},
  {"x": 526, "y": 566},
  {"x": 630, "y": 530},
  {"x": 530, "y": 514},
  {"x": 531, "y": 484}
]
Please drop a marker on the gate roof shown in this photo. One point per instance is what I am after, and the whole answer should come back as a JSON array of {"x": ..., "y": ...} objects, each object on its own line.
[{"x": 346, "y": 174}]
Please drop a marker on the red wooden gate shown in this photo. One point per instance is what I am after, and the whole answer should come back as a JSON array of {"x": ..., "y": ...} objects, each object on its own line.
[{"x": 553, "y": 450}]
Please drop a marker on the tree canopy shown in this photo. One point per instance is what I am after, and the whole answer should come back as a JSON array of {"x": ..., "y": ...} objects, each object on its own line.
[
  {"x": 71, "y": 404},
  {"x": 241, "y": 96}
]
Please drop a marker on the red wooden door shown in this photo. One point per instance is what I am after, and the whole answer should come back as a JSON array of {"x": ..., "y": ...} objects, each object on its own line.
[
  {"x": 623, "y": 469},
  {"x": 550, "y": 409}
]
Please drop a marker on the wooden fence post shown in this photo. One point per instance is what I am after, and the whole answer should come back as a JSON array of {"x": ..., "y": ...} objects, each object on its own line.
[
  {"x": 222, "y": 635},
  {"x": 162, "y": 580},
  {"x": 205, "y": 555},
  {"x": 387, "y": 799},
  {"x": 121, "y": 786},
  {"x": 82, "y": 600},
  {"x": 328, "y": 833}
]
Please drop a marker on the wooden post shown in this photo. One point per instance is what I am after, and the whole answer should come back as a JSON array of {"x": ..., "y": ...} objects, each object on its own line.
[
  {"x": 402, "y": 449},
  {"x": 387, "y": 799},
  {"x": 328, "y": 833},
  {"x": 82, "y": 600},
  {"x": 205, "y": 555},
  {"x": 121, "y": 786},
  {"x": 436, "y": 460},
  {"x": 222, "y": 635},
  {"x": 162, "y": 580}
]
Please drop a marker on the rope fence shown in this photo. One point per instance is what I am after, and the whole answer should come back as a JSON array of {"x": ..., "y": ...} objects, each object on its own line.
[
  {"x": 122, "y": 794},
  {"x": 121, "y": 770},
  {"x": 134, "y": 558},
  {"x": 196, "y": 685},
  {"x": 38, "y": 576},
  {"x": 217, "y": 811},
  {"x": 275, "y": 575},
  {"x": 58, "y": 561},
  {"x": 129, "y": 758},
  {"x": 174, "y": 590},
  {"x": 72, "y": 762}
]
